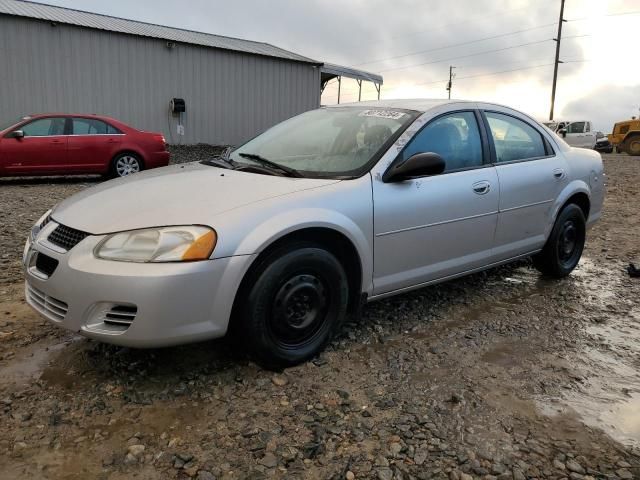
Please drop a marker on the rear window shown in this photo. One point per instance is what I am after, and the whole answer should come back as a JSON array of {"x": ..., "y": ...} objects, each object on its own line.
[{"x": 92, "y": 126}]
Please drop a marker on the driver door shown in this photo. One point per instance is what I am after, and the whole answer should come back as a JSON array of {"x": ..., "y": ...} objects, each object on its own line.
[
  {"x": 42, "y": 150},
  {"x": 435, "y": 227}
]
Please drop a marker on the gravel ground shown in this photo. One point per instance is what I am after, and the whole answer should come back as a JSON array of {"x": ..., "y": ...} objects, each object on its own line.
[{"x": 503, "y": 374}]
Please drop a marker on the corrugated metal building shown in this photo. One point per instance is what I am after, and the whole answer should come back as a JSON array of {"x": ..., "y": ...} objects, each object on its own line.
[{"x": 61, "y": 60}]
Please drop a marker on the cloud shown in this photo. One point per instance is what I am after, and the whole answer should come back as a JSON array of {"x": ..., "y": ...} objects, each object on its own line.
[{"x": 357, "y": 32}]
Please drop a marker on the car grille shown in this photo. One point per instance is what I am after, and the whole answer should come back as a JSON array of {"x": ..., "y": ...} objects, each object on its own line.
[
  {"x": 121, "y": 315},
  {"x": 46, "y": 264},
  {"x": 48, "y": 306},
  {"x": 66, "y": 237}
]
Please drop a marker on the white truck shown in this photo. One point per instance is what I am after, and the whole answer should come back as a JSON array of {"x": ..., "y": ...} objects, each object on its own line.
[{"x": 577, "y": 134}]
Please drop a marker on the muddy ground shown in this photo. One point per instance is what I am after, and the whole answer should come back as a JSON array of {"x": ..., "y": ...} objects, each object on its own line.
[{"x": 504, "y": 374}]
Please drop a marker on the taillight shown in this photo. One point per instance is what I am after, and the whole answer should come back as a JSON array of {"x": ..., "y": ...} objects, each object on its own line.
[{"x": 159, "y": 137}]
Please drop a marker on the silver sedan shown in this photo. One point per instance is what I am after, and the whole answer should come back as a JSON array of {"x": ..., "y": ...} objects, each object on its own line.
[{"x": 277, "y": 241}]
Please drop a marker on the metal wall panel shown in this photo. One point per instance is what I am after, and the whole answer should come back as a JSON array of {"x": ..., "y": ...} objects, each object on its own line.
[{"x": 230, "y": 96}]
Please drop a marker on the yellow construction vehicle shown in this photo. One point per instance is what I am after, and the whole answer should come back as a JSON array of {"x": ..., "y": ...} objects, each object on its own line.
[{"x": 626, "y": 136}]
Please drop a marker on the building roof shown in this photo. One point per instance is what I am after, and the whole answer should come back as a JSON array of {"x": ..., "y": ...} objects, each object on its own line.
[
  {"x": 81, "y": 18},
  {"x": 330, "y": 70}
]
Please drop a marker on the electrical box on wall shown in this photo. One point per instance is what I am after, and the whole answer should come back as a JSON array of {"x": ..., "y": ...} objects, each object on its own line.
[{"x": 178, "y": 105}]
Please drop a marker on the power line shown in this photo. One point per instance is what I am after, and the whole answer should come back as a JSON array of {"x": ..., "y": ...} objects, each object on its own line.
[
  {"x": 527, "y": 67},
  {"x": 468, "y": 56},
  {"x": 444, "y": 47},
  {"x": 486, "y": 74},
  {"x": 489, "y": 74}
]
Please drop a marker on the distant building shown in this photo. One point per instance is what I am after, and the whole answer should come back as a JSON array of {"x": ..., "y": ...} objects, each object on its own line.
[{"x": 61, "y": 60}]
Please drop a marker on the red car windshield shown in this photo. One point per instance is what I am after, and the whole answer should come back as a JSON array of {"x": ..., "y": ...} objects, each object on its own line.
[{"x": 4, "y": 126}]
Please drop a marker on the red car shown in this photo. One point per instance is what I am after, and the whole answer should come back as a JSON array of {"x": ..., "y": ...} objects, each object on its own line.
[{"x": 66, "y": 144}]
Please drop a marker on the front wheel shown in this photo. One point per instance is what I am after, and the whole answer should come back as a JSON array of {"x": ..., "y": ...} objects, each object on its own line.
[
  {"x": 564, "y": 247},
  {"x": 125, "y": 164},
  {"x": 295, "y": 301}
]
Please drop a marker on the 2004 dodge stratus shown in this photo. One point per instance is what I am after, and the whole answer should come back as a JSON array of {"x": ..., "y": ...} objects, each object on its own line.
[{"x": 277, "y": 241}]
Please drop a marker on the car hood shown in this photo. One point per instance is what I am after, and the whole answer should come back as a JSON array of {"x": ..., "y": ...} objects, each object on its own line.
[{"x": 185, "y": 194}]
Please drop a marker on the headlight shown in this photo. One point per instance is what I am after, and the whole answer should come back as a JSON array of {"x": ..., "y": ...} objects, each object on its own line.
[
  {"x": 42, "y": 221},
  {"x": 163, "y": 244}
]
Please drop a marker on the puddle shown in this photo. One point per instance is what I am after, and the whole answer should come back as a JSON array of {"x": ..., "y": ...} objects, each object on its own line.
[
  {"x": 32, "y": 364},
  {"x": 609, "y": 362}
]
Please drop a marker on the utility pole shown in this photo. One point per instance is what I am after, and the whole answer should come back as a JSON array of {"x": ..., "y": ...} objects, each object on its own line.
[
  {"x": 557, "y": 62},
  {"x": 451, "y": 77}
]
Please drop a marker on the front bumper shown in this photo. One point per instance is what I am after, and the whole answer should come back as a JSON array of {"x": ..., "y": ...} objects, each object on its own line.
[
  {"x": 155, "y": 305},
  {"x": 604, "y": 146}
]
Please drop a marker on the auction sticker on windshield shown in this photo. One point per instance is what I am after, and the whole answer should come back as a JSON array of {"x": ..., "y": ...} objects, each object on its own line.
[{"x": 382, "y": 114}]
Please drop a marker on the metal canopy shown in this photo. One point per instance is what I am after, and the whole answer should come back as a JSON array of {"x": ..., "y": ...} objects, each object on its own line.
[{"x": 329, "y": 71}]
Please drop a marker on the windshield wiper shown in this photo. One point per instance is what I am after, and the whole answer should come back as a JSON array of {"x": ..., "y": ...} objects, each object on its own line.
[
  {"x": 220, "y": 161},
  {"x": 292, "y": 172}
]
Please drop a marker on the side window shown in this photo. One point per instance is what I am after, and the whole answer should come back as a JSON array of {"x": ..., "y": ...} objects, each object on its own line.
[
  {"x": 576, "y": 127},
  {"x": 514, "y": 139},
  {"x": 44, "y": 127},
  {"x": 624, "y": 129},
  {"x": 455, "y": 137},
  {"x": 587, "y": 127},
  {"x": 88, "y": 126},
  {"x": 111, "y": 130}
]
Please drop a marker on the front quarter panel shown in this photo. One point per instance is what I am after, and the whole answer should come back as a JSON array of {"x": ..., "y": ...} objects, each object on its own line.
[{"x": 345, "y": 207}]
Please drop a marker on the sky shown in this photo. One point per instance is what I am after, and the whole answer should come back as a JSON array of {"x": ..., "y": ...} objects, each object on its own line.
[{"x": 502, "y": 51}]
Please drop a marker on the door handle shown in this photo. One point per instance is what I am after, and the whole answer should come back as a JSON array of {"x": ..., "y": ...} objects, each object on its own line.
[
  {"x": 558, "y": 173},
  {"x": 56, "y": 141},
  {"x": 481, "y": 188}
]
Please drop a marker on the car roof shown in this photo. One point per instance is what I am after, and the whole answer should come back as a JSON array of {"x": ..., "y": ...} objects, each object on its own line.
[
  {"x": 418, "y": 104},
  {"x": 61, "y": 114},
  {"x": 105, "y": 118}
]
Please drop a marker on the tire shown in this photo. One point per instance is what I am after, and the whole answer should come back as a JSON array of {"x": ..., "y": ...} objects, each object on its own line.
[
  {"x": 632, "y": 145},
  {"x": 564, "y": 246},
  {"x": 125, "y": 164},
  {"x": 292, "y": 304}
]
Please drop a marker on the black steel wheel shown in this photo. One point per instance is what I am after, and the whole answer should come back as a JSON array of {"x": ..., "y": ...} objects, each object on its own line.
[
  {"x": 292, "y": 303},
  {"x": 564, "y": 246}
]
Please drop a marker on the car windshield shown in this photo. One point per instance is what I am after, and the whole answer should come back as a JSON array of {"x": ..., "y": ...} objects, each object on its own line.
[
  {"x": 327, "y": 142},
  {"x": 5, "y": 125}
]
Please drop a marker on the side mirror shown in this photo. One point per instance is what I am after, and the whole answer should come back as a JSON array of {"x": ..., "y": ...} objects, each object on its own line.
[
  {"x": 16, "y": 134},
  {"x": 418, "y": 165},
  {"x": 563, "y": 133}
]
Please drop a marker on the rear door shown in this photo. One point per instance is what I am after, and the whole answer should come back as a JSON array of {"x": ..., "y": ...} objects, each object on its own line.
[
  {"x": 589, "y": 136},
  {"x": 531, "y": 176},
  {"x": 92, "y": 144},
  {"x": 42, "y": 150}
]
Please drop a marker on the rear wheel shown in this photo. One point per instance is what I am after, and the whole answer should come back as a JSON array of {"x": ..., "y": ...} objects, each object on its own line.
[
  {"x": 125, "y": 164},
  {"x": 564, "y": 247},
  {"x": 293, "y": 303},
  {"x": 632, "y": 145}
]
